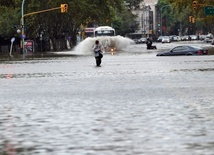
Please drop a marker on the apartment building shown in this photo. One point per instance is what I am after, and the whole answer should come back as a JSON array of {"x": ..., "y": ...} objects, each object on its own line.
[{"x": 147, "y": 17}]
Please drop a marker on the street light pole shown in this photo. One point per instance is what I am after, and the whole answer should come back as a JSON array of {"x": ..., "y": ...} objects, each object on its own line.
[
  {"x": 161, "y": 17},
  {"x": 22, "y": 27}
]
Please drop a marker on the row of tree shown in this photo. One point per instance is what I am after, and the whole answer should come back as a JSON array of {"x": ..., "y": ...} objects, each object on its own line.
[
  {"x": 57, "y": 26},
  {"x": 176, "y": 16}
]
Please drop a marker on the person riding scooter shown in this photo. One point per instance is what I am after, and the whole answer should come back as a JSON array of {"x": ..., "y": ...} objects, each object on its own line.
[{"x": 149, "y": 44}]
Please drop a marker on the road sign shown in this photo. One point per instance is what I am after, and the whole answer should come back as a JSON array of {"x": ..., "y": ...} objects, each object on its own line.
[
  {"x": 29, "y": 46},
  {"x": 209, "y": 10},
  {"x": 23, "y": 36}
]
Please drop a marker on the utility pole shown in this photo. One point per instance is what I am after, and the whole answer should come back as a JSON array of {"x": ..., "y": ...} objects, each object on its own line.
[
  {"x": 63, "y": 7},
  {"x": 22, "y": 28}
]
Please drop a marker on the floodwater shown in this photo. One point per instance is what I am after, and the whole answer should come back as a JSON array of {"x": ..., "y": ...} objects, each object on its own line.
[{"x": 134, "y": 104}]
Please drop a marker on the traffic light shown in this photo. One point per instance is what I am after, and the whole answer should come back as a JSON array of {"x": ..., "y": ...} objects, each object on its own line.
[
  {"x": 64, "y": 8},
  {"x": 193, "y": 20},
  {"x": 195, "y": 5},
  {"x": 190, "y": 19}
]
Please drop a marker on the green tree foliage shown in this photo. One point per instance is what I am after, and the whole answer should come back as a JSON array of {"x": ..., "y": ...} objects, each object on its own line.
[
  {"x": 9, "y": 3},
  {"x": 9, "y": 15},
  {"x": 167, "y": 16},
  {"x": 184, "y": 8},
  {"x": 124, "y": 22},
  {"x": 59, "y": 26}
]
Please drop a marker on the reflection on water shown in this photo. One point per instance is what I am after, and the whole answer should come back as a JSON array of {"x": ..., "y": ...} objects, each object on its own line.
[
  {"x": 200, "y": 146},
  {"x": 28, "y": 75},
  {"x": 198, "y": 69}
]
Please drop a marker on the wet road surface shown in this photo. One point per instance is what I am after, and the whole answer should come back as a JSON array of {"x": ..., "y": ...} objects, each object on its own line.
[{"x": 134, "y": 104}]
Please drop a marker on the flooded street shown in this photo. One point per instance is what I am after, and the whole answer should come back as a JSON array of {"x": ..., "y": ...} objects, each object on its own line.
[{"x": 134, "y": 104}]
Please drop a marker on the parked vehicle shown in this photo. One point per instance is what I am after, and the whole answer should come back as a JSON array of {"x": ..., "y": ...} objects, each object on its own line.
[
  {"x": 159, "y": 39},
  {"x": 142, "y": 40},
  {"x": 166, "y": 39},
  {"x": 172, "y": 38},
  {"x": 184, "y": 50},
  {"x": 176, "y": 38},
  {"x": 136, "y": 41},
  {"x": 202, "y": 37},
  {"x": 193, "y": 37},
  {"x": 184, "y": 38},
  {"x": 208, "y": 40}
]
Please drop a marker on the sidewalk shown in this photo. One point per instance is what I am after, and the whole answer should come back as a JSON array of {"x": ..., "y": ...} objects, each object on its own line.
[{"x": 16, "y": 56}]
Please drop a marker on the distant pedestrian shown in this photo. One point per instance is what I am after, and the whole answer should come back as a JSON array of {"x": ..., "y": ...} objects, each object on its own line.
[
  {"x": 189, "y": 38},
  {"x": 98, "y": 54}
]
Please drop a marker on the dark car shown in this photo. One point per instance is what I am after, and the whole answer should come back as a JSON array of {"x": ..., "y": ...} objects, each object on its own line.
[{"x": 184, "y": 50}]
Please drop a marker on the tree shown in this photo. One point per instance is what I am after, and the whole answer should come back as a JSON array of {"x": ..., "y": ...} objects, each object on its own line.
[
  {"x": 183, "y": 9},
  {"x": 9, "y": 15},
  {"x": 57, "y": 26},
  {"x": 125, "y": 23}
]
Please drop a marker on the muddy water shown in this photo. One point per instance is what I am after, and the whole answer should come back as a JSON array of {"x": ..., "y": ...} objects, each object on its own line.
[{"x": 134, "y": 104}]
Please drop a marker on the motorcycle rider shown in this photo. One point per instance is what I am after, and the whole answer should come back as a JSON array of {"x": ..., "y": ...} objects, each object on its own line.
[
  {"x": 97, "y": 48},
  {"x": 149, "y": 43}
]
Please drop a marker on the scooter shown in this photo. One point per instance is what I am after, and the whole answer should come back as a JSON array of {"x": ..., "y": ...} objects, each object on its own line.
[{"x": 151, "y": 47}]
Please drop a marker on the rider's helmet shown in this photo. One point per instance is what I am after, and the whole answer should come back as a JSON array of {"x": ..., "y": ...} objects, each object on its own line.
[{"x": 97, "y": 42}]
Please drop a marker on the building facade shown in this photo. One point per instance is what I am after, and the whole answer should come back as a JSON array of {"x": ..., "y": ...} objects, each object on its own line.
[{"x": 147, "y": 18}]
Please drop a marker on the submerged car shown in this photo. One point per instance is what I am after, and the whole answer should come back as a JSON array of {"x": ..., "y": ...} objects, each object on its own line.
[{"x": 184, "y": 50}]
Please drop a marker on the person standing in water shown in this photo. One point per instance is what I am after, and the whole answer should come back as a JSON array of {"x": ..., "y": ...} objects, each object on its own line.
[{"x": 98, "y": 54}]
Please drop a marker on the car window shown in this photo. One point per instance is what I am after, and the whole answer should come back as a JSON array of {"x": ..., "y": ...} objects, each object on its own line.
[{"x": 179, "y": 49}]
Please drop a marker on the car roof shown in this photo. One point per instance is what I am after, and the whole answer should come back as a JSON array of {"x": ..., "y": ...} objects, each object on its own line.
[
  {"x": 189, "y": 46},
  {"x": 194, "y": 46}
]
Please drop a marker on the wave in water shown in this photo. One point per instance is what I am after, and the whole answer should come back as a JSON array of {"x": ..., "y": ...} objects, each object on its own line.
[{"x": 118, "y": 42}]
